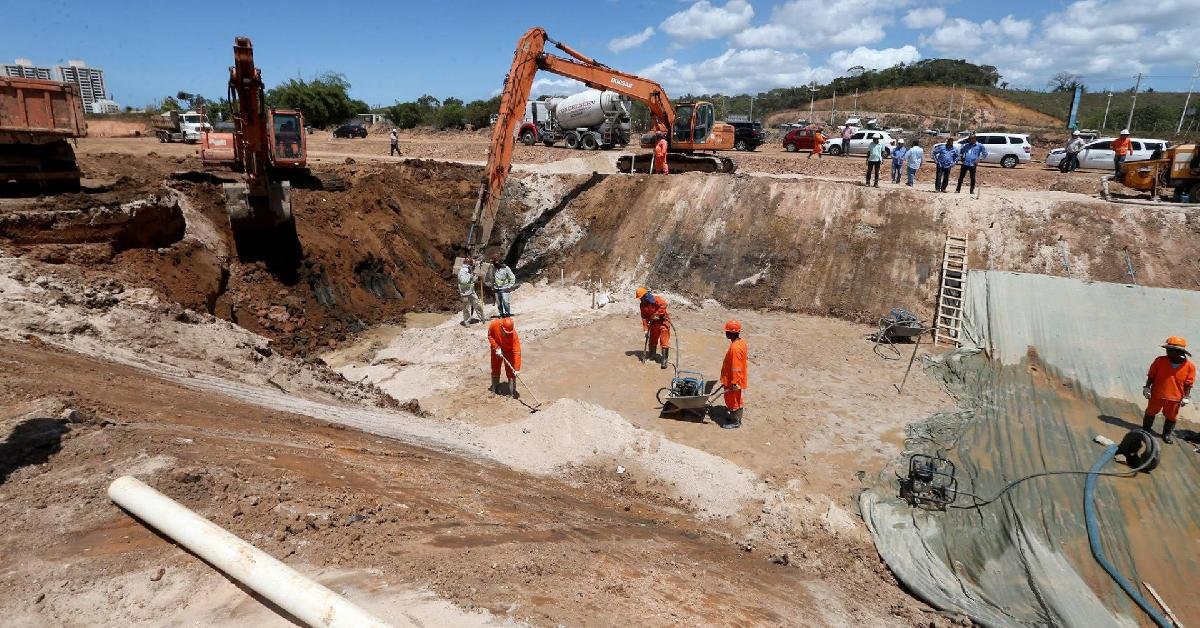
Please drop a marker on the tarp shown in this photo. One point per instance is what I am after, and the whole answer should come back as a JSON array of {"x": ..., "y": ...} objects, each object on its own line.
[{"x": 1062, "y": 360}]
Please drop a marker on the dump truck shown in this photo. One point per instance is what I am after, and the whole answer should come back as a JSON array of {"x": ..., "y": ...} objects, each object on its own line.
[
  {"x": 181, "y": 127},
  {"x": 588, "y": 120},
  {"x": 1175, "y": 170},
  {"x": 38, "y": 121}
]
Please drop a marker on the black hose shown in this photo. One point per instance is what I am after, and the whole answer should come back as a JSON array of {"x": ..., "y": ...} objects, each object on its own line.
[{"x": 1152, "y": 448}]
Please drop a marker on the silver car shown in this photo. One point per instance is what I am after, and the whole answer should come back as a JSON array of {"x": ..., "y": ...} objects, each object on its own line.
[
  {"x": 860, "y": 143},
  {"x": 1098, "y": 155},
  {"x": 1006, "y": 149}
]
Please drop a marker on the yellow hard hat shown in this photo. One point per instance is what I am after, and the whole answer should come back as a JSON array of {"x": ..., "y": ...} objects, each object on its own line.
[{"x": 641, "y": 291}]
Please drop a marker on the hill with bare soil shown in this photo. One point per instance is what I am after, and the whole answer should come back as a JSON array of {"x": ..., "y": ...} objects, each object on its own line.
[{"x": 926, "y": 107}]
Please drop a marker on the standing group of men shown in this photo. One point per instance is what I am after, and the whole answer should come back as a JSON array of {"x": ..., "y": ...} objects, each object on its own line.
[
  {"x": 656, "y": 323},
  {"x": 945, "y": 156},
  {"x": 499, "y": 278}
]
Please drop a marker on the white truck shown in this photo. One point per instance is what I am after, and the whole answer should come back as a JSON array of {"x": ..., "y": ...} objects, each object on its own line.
[
  {"x": 181, "y": 127},
  {"x": 588, "y": 120}
]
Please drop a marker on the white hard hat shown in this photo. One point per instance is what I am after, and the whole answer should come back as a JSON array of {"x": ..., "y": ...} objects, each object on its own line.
[
  {"x": 393, "y": 130},
  {"x": 1124, "y": 131},
  {"x": 900, "y": 141},
  {"x": 1075, "y": 133}
]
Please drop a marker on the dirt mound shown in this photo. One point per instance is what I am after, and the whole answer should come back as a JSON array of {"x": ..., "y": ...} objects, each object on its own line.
[
  {"x": 837, "y": 249},
  {"x": 926, "y": 106}
]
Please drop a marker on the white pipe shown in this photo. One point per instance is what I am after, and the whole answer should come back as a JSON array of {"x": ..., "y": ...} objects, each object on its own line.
[{"x": 305, "y": 599}]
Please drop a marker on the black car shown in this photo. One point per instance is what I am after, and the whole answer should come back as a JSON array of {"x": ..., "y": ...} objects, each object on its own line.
[
  {"x": 747, "y": 135},
  {"x": 350, "y": 130}
]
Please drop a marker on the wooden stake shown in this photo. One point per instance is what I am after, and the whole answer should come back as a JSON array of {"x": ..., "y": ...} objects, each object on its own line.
[{"x": 1163, "y": 604}]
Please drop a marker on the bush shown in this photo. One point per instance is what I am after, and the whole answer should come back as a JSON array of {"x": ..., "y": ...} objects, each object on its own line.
[
  {"x": 324, "y": 101},
  {"x": 404, "y": 115}
]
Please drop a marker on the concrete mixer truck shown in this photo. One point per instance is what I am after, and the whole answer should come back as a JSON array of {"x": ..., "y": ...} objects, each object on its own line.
[{"x": 588, "y": 120}]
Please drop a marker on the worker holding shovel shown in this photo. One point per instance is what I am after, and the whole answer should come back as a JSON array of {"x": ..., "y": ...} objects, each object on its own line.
[
  {"x": 1169, "y": 386},
  {"x": 656, "y": 322},
  {"x": 506, "y": 350}
]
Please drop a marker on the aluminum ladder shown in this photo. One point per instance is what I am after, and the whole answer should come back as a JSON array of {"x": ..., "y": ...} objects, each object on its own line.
[{"x": 948, "y": 327}]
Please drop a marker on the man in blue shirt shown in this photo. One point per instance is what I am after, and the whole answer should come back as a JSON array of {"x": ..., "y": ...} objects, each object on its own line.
[
  {"x": 944, "y": 155},
  {"x": 874, "y": 159},
  {"x": 914, "y": 158},
  {"x": 898, "y": 160},
  {"x": 970, "y": 154}
]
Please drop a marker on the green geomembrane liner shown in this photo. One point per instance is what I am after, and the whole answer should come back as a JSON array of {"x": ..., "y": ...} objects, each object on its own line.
[{"x": 1057, "y": 361}]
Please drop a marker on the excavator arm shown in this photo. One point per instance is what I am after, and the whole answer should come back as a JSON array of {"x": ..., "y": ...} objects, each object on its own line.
[{"x": 530, "y": 57}]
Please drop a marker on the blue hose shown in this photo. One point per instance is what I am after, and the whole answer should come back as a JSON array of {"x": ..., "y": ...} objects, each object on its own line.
[{"x": 1093, "y": 530}]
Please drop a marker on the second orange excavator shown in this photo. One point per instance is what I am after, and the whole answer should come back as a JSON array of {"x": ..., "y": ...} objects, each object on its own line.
[{"x": 691, "y": 129}]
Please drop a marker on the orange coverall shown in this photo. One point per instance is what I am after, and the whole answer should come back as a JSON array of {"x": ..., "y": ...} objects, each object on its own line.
[
  {"x": 735, "y": 372},
  {"x": 660, "y": 330},
  {"x": 1169, "y": 386},
  {"x": 660, "y": 156},
  {"x": 818, "y": 143},
  {"x": 508, "y": 343},
  {"x": 1121, "y": 146}
]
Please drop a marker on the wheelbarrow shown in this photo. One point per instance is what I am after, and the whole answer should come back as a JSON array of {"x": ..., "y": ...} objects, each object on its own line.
[{"x": 689, "y": 394}]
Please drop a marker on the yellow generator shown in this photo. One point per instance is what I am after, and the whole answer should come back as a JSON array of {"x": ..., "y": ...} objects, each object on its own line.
[{"x": 1176, "y": 172}]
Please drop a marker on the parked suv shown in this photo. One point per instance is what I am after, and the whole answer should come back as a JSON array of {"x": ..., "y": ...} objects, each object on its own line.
[
  {"x": 1099, "y": 154},
  {"x": 1006, "y": 149},
  {"x": 747, "y": 135},
  {"x": 860, "y": 143},
  {"x": 350, "y": 130},
  {"x": 798, "y": 139}
]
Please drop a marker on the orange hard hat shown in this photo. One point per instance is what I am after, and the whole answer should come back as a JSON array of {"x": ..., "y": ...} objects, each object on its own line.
[
  {"x": 1178, "y": 343},
  {"x": 733, "y": 326},
  {"x": 641, "y": 291},
  {"x": 506, "y": 325}
]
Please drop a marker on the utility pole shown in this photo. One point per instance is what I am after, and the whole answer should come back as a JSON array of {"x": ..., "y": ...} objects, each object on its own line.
[
  {"x": 950, "y": 107},
  {"x": 833, "y": 107},
  {"x": 1105, "y": 122},
  {"x": 1187, "y": 100},
  {"x": 855, "y": 101},
  {"x": 812, "y": 91},
  {"x": 1133, "y": 104},
  {"x": 962, "y": 103},
  {"x": 752, "y": 107}
]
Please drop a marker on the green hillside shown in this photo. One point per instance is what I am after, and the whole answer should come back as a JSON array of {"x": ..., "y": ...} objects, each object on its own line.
[{"x": 1156, "y": 112}]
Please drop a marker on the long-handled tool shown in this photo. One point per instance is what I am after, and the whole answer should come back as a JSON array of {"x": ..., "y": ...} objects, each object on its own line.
[
  {"x": 645, "y": 347},
  {"x": 537, "y": 402}
]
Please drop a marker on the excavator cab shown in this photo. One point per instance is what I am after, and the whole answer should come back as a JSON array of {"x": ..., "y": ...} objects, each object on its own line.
[{"x": 287, "y": 138}]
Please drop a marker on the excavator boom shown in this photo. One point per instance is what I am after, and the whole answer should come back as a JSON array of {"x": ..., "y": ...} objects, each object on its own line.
[{"x": 698, "y": 131}]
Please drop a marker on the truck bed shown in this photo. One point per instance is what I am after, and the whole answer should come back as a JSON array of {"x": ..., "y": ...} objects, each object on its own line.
[{"x": 33, "y": 111}]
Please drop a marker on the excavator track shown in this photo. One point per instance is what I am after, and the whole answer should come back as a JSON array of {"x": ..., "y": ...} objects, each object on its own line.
[{"x": 677, "y": 163}]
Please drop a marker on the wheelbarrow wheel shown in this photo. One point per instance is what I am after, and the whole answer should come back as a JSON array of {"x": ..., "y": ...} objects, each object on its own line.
[{"x": 661, "y": 395}]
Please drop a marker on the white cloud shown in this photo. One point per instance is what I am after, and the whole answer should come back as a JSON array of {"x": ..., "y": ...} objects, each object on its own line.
[
  {"x": 736, "y": 71},
  {"x": 871, "y": 59},
  {"x": 629, "y": 42},
  {"x": 551, "y": 85},
  {"x": 955, "y": 37},
  {"x": 1008, "y": 26},
  {"x": 924, "y": 17},
  {"x": 820, "y": 24},
  {"x": 702, "y": 21}
]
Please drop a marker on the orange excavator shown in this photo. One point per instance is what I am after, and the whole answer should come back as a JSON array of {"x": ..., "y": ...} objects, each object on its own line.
[
  {"x": 267, "y": 149},
  {"x": 689, "y": 128}
]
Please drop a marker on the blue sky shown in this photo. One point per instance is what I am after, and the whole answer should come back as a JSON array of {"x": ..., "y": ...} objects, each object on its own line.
[{"x": 399, "y": 50}]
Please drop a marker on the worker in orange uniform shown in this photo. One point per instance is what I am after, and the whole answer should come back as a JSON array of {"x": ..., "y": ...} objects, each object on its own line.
[
  {"x": 660, "y": 155},
  {"x": 506, "y": 346},
  {"x": 735, "y": 374},
  {"x": 1121, "y": 147},
  {"x": 656, "y": 322},
  {"x": 1169, "y": 386}
]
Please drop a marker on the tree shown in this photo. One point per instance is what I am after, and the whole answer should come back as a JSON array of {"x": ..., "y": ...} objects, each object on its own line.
[
  {"x": 323, "y": 101},
  {"x": 451, "y": 116},
  {"x": 479, "y": 112},
  {"x": 1064, "y": 82},
  {"x": 452, "y": 101},
  {"x": 169, "y": 104},
  {"x": 404, "y": 115},
  {"x": 359, "y": 106}
]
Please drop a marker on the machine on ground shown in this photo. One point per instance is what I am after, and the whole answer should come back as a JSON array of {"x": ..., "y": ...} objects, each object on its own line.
[
  {"x": 38, "y": 120},
  {"x": 689, "y": 128},
  {"x": 267, "y": 150},
  {"x": 1175, "y": 170},
  {"x": 590, "y": 120},
  {"x": 186, "y": 127}
]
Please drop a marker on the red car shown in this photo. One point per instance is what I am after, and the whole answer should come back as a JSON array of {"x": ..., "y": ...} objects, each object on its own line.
[{"x": 799, "y": 139}]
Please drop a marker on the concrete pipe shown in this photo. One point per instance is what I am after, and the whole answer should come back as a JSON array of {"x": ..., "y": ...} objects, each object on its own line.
[{"x": 305, "y": 599}]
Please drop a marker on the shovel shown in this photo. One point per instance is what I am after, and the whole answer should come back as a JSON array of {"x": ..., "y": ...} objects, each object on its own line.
[{"x": 538, "y": 402}]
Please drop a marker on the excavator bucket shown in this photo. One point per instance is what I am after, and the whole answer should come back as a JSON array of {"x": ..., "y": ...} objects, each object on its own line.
[{"x": 263, "y": 226}]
